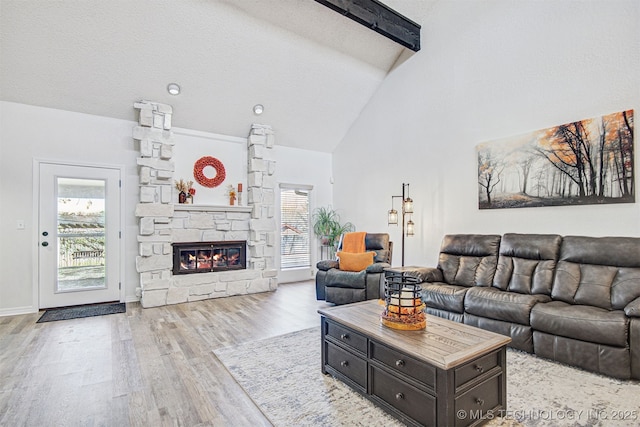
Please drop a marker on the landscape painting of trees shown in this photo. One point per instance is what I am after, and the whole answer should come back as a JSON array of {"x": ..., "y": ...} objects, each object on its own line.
[{"x": 579, "y": 163}]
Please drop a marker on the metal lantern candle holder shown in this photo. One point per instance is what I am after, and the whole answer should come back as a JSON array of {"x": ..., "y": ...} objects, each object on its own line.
[{"x": 404, "y": 308}]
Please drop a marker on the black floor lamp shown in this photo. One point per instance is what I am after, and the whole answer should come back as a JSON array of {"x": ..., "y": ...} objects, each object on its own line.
[{"x": 407, "y": 210}]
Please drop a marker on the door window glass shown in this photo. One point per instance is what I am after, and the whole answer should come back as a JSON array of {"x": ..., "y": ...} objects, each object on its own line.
[{"x": 81, "y": 234}]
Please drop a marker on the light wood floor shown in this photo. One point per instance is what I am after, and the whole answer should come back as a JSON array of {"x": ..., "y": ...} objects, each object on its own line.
[{"x": 145, "y": 367}]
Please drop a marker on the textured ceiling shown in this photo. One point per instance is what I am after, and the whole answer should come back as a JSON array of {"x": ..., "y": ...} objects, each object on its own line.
[{"x": 313, "y": 69}]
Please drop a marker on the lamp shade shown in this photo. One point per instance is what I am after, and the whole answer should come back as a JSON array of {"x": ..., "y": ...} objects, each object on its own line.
[
  {"x": 408, "y": 205},
  {"x": 410, "y": 228},
  {"x": 393, "y": 217}
]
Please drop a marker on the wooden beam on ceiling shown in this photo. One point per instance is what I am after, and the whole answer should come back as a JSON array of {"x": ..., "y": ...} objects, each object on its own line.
[{"x": 380, "y": 18}]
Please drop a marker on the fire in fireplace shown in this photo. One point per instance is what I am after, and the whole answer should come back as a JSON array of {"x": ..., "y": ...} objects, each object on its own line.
[{"x": 204, "y": 257}]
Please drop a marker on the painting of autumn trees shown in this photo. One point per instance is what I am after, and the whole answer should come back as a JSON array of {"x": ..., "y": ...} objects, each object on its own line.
[{"x": 585, "y": 162}]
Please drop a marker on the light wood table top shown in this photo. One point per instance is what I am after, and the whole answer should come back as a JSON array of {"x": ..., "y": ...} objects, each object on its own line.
[{"x": 444, "y": 344}]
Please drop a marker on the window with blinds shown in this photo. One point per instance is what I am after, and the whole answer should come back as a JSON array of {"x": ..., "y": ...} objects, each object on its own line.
[{"x": 294, "y": 217}]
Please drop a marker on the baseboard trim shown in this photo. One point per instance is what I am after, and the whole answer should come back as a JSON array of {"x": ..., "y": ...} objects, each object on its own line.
[{"x": 16, "y": 311}]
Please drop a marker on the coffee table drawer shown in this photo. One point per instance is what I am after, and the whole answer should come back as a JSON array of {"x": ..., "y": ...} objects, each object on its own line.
[
  {"x": 347, "y": 336},
  {"x": 415, "y": 403},
  {"x": 400, "y": 362},
  {"x": 472, "y": 370},
  {"x": 480, "y": 399},
  {"x": 348, "y": 364}
]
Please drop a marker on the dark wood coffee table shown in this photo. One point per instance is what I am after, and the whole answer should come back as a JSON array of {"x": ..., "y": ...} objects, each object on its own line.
[{"x": 449, "y": 374}]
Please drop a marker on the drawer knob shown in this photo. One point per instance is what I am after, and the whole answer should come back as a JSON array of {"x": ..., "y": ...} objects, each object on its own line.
[
  {"x": 479, "y": 402},
  {"x": 399, "y": 363},
  {"x": 344, "y": 336},
  {"x": 399, "y": 396},
  {"x": 479, "y": 368},
  {"x": 344, "y": 363}
]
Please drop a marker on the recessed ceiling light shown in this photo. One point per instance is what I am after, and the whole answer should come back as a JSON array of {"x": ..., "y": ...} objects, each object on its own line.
[
  {"x": 258, "y": 109},
  {"x": 173, "y": 88}
]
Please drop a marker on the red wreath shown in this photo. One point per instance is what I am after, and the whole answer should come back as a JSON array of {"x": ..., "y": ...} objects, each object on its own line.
[{"x": 198, "y": 172}]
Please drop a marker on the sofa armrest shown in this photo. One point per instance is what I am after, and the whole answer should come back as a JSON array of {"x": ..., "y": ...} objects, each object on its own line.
[
  {"x": 633, "y": 308},
  {"x": 433, "y": 274},
  {"x": 327, "y": 264},
  {"x": 377, "y": 267}
]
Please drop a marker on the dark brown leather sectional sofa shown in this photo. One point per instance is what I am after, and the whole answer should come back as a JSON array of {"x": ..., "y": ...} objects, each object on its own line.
[{"x": 574, "y": 299}]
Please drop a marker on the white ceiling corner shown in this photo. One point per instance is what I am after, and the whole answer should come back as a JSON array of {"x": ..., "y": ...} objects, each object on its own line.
[{"x": 312, "y": 69}]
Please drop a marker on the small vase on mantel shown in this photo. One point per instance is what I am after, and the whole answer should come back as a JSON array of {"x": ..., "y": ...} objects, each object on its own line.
[
  {"x": 182, "y": 197},
  {"x": 232, "y": 200}
]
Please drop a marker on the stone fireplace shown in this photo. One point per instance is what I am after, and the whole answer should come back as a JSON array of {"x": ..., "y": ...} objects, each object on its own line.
[{"x": 165, "y": 225}]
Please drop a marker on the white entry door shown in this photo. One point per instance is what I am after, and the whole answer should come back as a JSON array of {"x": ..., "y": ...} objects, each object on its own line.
[{"x": 79, "y": 235}]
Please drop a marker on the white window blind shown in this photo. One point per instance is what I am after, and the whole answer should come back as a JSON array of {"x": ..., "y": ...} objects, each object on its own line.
[{"x": 294, "y": 217}]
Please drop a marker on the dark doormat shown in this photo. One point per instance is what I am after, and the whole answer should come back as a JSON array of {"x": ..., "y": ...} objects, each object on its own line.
[{"x": 67, "y": 313}]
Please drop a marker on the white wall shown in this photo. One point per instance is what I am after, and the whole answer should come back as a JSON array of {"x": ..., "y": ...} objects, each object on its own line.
[
  {"x": 487, "y": 70},
  {"x": 28, "y": 132}
]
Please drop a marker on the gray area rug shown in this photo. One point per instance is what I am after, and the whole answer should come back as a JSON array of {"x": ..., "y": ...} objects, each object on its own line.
[
  {"x": 67, "y": 313},
  {"x": 282, "y": 376}
]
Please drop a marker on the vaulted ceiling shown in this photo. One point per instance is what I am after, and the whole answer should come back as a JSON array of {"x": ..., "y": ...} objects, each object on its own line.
[{"x": 313, "y": 69}]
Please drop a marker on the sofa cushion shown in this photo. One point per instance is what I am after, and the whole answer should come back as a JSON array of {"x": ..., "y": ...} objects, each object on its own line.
[
  {"x": 584, "y": 284},
  {"x": 599, "y": 271},
  {"x": 598, "y": 285},
  {"x": 374, "y": 241},
  {"x": 345, "y": 279},
  {"x": 633, "y": 308},
  {"x": 500, "y": 305},
  {"x": 469, "y": 259},
  {"x": 444, "y": 297},
  {"x": 355, "y": 261},
  {"x": 581, "y": 322},
  {"x": 382, "y": 255},
  {"x": 625, "y": 288},
  {"x": 454, "y": 317},
  {"x": 617, "y": 251},
  {"x": 526, "y": 263}
]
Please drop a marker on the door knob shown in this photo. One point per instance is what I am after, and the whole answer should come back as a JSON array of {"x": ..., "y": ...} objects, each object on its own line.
[
  {"x": 45, "y": 243},
  {"x": 45, "y": 233}
]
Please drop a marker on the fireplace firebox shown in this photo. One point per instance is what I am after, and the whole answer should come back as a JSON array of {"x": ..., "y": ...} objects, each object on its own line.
[{"x": 204, "y": 257}]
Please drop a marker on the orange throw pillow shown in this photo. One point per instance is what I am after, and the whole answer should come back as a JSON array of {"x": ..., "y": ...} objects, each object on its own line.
[{"x": 355, "y": 262}]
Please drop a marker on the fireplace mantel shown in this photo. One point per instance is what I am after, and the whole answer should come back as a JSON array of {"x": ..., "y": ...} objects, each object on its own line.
[{"x": 211, "y": 208}]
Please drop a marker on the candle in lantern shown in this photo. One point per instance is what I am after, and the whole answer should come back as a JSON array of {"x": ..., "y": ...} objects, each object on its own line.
[
  {"x": 404, "y": 298},
  {"x": 240, "y": 188}
]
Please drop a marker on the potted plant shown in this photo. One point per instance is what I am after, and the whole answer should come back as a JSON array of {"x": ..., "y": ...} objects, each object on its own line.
[{"x": 327, "y": 226}]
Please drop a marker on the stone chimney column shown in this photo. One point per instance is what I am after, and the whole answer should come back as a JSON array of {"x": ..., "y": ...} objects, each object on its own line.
[
  {"x": 262, "y": 199},
  {"x": 155, "y": 209}
]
